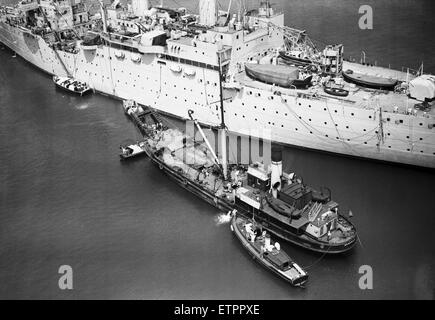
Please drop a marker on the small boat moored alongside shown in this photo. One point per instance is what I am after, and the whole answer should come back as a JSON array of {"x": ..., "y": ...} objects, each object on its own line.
[
  {"x": 269, "y": 254},
  {"x": 131, "y": 149},
  {"x": 72, "y": 85}
]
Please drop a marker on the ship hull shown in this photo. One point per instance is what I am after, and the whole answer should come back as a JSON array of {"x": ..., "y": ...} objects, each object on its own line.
[{"x": 298, "y": 121}]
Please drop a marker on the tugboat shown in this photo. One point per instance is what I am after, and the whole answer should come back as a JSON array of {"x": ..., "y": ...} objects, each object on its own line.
[
  {"x": 281, "y": 202},
  {"x": 72, "y": 85},
  {"x": 269, "y": 254}
]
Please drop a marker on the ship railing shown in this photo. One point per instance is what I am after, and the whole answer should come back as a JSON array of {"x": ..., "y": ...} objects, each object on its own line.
[{"x": 120, "y": 40}]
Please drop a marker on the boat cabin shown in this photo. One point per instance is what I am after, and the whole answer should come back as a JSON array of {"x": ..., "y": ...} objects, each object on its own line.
[
  {"x": 322, "y": 223},
  {"x": 258, "y": 177}
]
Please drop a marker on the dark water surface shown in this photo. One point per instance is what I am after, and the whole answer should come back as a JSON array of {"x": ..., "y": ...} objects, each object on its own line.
[{"x": 128, "y": 232}]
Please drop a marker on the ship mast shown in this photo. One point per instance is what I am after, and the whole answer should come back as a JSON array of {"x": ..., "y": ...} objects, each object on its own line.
[
  {"x": 103, "y": 15},
  {"x": 222, "y": 129},
  {"x": 222, "y": 163}
]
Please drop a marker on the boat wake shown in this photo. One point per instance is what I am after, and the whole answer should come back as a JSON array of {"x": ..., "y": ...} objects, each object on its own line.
[
  {"x": 223, "y": 218},
  {"x": 82, "y": 106}
]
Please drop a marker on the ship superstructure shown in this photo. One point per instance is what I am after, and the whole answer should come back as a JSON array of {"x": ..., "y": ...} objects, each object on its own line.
[{"x": 170, "y": 59}]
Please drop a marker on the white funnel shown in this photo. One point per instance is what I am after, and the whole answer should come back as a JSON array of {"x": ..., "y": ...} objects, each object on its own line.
[{"x": 276, "y": 166}]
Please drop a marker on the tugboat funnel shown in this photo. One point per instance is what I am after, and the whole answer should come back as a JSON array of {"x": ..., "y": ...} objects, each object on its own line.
[{"x": 276, "y": 166}]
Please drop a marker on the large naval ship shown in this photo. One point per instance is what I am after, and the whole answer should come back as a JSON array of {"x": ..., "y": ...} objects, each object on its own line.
[{"x": 276, "y": 82}]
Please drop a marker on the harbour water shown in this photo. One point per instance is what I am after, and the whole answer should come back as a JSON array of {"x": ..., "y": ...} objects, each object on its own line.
[{"x": 129, "y": 232}]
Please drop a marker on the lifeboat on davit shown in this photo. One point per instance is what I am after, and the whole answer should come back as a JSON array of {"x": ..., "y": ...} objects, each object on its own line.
[
  {"x": 283, "y": 76},
  {"x": 90, "y": 42},
  {"x": 369, "y": 81}
]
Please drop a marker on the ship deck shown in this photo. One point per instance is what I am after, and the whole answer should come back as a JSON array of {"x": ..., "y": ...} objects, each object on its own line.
[{"x": 359, "y": 97}]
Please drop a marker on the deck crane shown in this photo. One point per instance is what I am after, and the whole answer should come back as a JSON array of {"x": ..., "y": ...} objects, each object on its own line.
[
  {"x": 329, "y": 60},
  {"x": 298, "y": 40}
]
